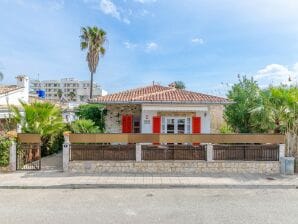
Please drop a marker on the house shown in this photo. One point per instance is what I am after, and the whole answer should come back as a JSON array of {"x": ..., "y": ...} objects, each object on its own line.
[
  {"x": 11, "y": 95},
  {"x": 162, "y": 109}
]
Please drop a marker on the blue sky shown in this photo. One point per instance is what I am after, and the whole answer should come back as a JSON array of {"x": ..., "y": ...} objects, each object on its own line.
[{"x": 204, "y": 43}]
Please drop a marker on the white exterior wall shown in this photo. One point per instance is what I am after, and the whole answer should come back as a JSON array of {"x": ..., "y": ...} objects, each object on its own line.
[
  {"x": 148, "y": 111},
  {"x": 146, "y": 121},
  {"x": 12, "y": 98}
]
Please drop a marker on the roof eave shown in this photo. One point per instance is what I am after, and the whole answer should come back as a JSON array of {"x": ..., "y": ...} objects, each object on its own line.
[{"x": 162, "y": 102}]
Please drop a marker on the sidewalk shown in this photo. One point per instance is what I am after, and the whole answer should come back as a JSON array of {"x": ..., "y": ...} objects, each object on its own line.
[{"x": 57, "y": 179}]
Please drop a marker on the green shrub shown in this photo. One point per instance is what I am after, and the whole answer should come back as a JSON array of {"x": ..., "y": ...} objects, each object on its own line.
[
  {"x": 94, "y": 112},
  {"x": 56, "y": 143},
  {"x": 4, "y": 151},
  {"x": 84, "y": 126}
]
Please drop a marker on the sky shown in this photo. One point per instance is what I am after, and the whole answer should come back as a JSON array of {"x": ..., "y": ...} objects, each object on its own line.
[{"x": 204, "y": 43}]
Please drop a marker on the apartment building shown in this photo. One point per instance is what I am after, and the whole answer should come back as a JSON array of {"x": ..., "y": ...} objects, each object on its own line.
[{"x": 67, "y": 89}]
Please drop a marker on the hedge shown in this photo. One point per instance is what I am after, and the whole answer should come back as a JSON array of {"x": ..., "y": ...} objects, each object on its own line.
[{"x": 4, "y": 151}]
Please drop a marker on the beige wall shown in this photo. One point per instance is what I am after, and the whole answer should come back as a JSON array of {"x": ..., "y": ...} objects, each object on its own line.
[{"x": 217, "y": 119}]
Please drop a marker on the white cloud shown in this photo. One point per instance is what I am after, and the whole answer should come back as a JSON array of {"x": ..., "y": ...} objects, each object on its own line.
[
  {"x": 129, "y": 45},
  {"x": 276, "y": 74},
  {"x": 109, "y": 8},
  {"x": 151, "y": 46},
  {"x": 197, "y": 40},
  {"x": 127, "y": 21}
]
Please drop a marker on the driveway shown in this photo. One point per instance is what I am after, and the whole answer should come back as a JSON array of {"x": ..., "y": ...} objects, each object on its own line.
[{"x": 52, "y": 163}]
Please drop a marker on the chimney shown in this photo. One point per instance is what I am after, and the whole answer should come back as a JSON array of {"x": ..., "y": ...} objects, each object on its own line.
[{"x": 23, "y": 82}]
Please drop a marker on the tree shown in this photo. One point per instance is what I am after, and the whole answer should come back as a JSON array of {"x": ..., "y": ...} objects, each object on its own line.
[
  {"x": 277, "y": 110},
  {"x": 179, "y": 85},
  {"x": 72, "y": 95},
  {"x": 41, "y": 118},
  {"x": 93, "y": 39},
  {"x": 59, "y": 94},
  {"x": 245, "y": 96},
  {"x": 84, "y": 126},
  {"x": 94, "y": 112},
  {"x": 1, "y": 76}
]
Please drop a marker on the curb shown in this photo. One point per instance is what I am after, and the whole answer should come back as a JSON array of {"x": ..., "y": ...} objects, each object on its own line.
[{"x": 149, "y": 186}]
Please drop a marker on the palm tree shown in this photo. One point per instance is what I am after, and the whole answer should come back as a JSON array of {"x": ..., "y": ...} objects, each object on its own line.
[
  {"x": 41, "y": 118},
  {"x": 93, "y": 39},
  {"x": 1, "y": 76},
  {"x": 84, "y": 126}
]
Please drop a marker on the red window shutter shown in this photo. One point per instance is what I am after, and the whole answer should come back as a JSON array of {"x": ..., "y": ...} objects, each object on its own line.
[
  {"x": 156, "y": 124},
  {"x": 126, "y": 123},
  {"x": 196, "y": 125}
]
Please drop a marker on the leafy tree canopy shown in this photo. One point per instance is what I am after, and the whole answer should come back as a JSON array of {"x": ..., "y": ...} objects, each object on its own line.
[
  {"x": 93, "y": 112},
  {"x": 245, "y": 96}
]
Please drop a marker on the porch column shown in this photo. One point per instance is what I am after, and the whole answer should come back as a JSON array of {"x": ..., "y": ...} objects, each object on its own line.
[
  {"x": 282, "y": 150},
  {"x": 209, "y": 152},
  {"x": 66, "y": 151},
  {"x": 13, "y": 156},
  {"x": 138, "y": 152}
]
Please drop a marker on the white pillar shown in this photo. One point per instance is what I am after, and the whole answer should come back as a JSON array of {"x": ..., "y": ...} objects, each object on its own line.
[
  {"x": 209, "y": 152},
  {"x": 282, "y": 150},
  {"x": 66, "y": 151},
  {"x": 13, "y": 156},
  {"x": 138, "y": 152}
]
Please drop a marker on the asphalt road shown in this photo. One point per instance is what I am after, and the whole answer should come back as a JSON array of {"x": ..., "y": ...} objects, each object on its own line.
[{"x": 149, "y": 206}]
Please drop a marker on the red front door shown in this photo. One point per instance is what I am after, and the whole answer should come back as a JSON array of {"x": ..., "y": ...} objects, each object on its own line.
[
  {"x": 126, "y": 123},
  {"x": 196, "y": 125},
  {"x": 156, "y": 124}
]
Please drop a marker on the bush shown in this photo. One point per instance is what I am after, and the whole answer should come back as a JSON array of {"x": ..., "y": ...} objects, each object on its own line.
[
  {"x": 93, "y": 112},
  {"x": 56, "y": 143},
  {"x": 84, "y": 126},
  {"x": 4, "y": 151}
]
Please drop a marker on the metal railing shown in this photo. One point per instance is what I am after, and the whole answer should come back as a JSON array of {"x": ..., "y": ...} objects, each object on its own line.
[
  {"x": 173, "y": 152},
  {"x": 247, "y": 152},
  {"x": 102, "y": 152}
]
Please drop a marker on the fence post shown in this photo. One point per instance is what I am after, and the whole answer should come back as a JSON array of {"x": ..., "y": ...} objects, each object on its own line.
[
  {"x": 66, "y": 147},
  {"x": 138, "y": 152},
  {"x": 282, "y": 150},
  {"x": 209, "y": 152},
  {"x": 13, "y": 156}
]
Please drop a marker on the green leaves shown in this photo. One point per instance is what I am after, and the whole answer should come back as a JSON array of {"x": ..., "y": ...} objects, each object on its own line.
[
  {"x": 245, "y": 96},
  {"x": 93, "y": 39},
  {"x": 84, "y": 127},
  {"x": 4, "y": 151},
  {"x": 271, "y": 110},
  {"x": 94, "y": 112}
]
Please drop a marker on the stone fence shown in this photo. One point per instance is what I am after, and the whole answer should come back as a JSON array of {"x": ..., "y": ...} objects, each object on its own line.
[{"x": 138, "y": 165}]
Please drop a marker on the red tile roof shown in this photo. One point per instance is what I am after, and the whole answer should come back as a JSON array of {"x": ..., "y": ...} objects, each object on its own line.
[
  {"x": 159, "y": 94},
  {"x": 7, "y": 89}
]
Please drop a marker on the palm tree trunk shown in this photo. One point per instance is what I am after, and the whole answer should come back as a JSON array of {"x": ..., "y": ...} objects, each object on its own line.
[{"x": 91, "y": 86}]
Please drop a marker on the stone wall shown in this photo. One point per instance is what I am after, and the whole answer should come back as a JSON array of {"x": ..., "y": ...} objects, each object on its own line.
[
  {"x": 174, "y": 167},
  {"x": 217, "y": 119},
  {"x": 4, "y": 169},
  {"x": 113, "y": 119}
]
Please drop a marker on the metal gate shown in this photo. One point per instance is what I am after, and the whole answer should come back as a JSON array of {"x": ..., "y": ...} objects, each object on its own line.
[{"x": 28, "y": 156}]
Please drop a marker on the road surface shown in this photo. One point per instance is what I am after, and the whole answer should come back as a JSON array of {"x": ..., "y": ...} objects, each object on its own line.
[{"x": 144, "y": 206}]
